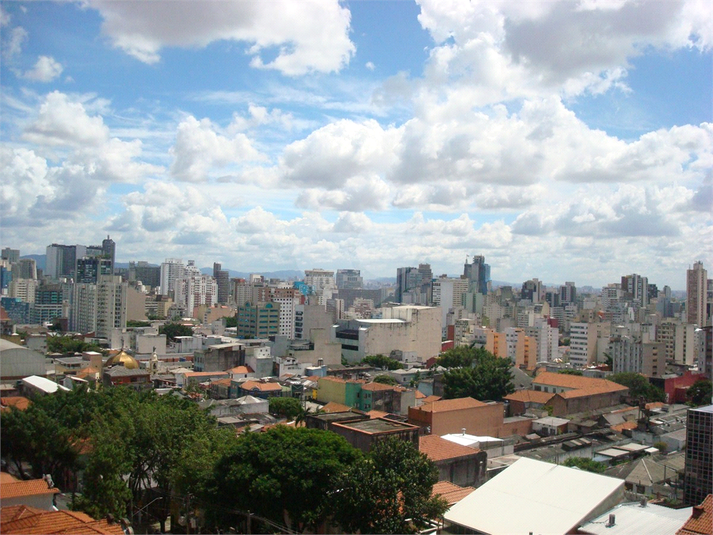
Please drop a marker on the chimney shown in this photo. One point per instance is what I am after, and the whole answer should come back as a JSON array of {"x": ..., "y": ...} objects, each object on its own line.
[
  {"x": 462, "y": 431},
  {"x": 611, "y": 521}
]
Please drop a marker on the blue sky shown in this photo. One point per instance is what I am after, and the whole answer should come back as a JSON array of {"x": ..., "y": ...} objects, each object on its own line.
[{"x": 562, "y": 140}]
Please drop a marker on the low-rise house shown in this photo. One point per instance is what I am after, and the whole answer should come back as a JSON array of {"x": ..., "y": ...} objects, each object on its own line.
[
  {"x": 550, "y": 426},
  {"x": 24, "y": 520},
  {"x": 523, "y": 401},
  {"x": 450, "y": 492},
  {"x": 457, "y": 464},
  {"x": 575, "y": 394},
  {"x": 363, "y": 434},
  {"x": 261, "y": 389},
  {"x": 635, "y": 517},
  {"x": 37, "y": 493}
]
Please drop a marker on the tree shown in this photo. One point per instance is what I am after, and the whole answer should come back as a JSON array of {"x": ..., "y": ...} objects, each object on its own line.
[
  {"x": 458, "y": 357},
  {"x": 700, "y": 393},
  {"x": 231, "y": 321},
  {"x": 488, "y": 379},
  {"x": 382, "y": 361},
  {"x": 567, "y": 371},
  {"x": 135, "y": 323},
  {"x": 583, "y": 463},
  {"x": 286, "y": 474},
  {"x": 174, "y": 330},
  {"x": 385, "y": 380},
  {"x": 389, "y": 491},
  {"x": 639, "y": 386},
  {"x": 69, "y": 344},
  {"x": 289, "y": 408}
]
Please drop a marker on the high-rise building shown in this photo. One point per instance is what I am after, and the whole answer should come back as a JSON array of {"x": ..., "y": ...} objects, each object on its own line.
[
  {"x": 447, "y": 294},
  {"x": 89, "y": 269},
  {"x": 222, "y": 279},
  {"x": 698, "y": 480},
  {"x": 195, "y": 289},
  {"x": 99, "y": 307},
  {"x": 413, "y": 285},
  {"x": 171, "y": 270},
  {"x": 109, "y": 251},
  {"x": 25, "y": 268},
  {"x": 349, "y": 279},
  {"x": 258, "y": 321},
  {"x": 568, "y": 294},
  {"x": 61, "y": 260},
  {"x": 532, "y": 291},
  {"x": 478, "y": 273},
  {"x": 11, "y": 255},
  {"x": 148, "y": 275},
  {"x": 696, "y": 294},
  {"x": 636, "y": 289},
  {"x": 288, "y": 299}
]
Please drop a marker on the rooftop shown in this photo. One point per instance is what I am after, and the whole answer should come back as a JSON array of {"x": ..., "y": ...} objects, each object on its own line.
[
  {"x": 577, "y": 382},
  {"x": 451, "y": 492},
  {"x": 20, "y": 519},
  {"x": 445, "y": 405},
  {"x": 633, "y": 518},
  {"x": 377, "y": 425},
  {"x": 701, "y": 519},
  {"x": 31, "y": 487},
  {"x": 440, "y": 449}
]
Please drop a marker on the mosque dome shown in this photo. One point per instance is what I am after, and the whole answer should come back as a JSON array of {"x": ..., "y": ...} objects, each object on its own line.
[{"x": 122, "y": 358}]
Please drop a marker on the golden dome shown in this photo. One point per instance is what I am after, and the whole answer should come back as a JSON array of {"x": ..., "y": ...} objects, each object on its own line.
[{"x": 122, "y": 358}]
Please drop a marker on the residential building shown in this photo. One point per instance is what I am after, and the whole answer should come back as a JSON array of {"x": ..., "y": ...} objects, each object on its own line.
[
  {"x": 582, "y": 344},
  {"x": 636, "y": 289},
  {"x": 456, "y": 464},
  {"x": 349, "y": 279},
  {"x": 696, "y": 295},
  {"x": 478, "y": 274},
  {"x": 260, "y": 320},
  {"x": 698, "y": 480},
  {"x": 568, "y": 294},
  {"x": 575, "y": 394},
  {"x": 448, "y": 293},
  {"x": 288, "y": 299},
  {"x": 171, "y": 270},
  {"x": 363, "y": 434}
]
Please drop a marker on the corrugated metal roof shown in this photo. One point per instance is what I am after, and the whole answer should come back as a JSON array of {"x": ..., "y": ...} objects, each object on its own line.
[{"x": 633, "y": 518}]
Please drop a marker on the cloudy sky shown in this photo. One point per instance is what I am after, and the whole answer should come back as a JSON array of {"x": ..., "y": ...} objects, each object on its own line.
[{"x": 567, "y": 140}]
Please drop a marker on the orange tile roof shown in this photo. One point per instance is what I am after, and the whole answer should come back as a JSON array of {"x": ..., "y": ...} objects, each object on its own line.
[
  {"x": 203, "y": 374},
  {"x": 84, "y": 372},
  {"x": 701, "y": 521},
  {"x": 32, "y": 521},
  {"x": 377, "y": 414},
  {"x": 445, "y": 405},
  {"x": 333, "y": 406},
  {"x": 564, "y": 380},
  {"x": 582, "y": 392},
  {"x": 530, "y": 396},
  {"x": 440, "y": 449},
  {"x": 7, "y": 478},
  {"x": 19, "y": 402},
  {"x": 372, "y": 387},
  {"x": 32, "y": 487},
  {"x": 622, "y": 426},
  {"x": 222, "y": 382},
  {"x": 451, "y": 492},
  {"x": 654, "y": 405},
  {"x": 263, "y": 387},
  {"x": 431, "y": 399},
  {"x": 242, "y": 369},
  {"x": 420, "y": 395}
]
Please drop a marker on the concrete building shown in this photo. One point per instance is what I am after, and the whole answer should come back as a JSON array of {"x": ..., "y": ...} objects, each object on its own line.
[
  {"x": 456, "y": 464},
  {"x": 696, "y": 295},
  {"x": 193, "y": 289},
  {"x": 699, "y": 455},
  {"x": 288, "y": 299},
  {"x": 363, "y": 434},
  {"x": 478, "y": 274},
  {"x": 17, "y": 362},
  {"x": 260, "y": 320},
  {"x": 171, "y": 270},
  {"x": 100, "y": 307},
  {"x": 448, "y": 293},
  {"x": 582, "y": 344},
  {"x": 349, "y": 279},
  {"x": 415, "y": 331}
]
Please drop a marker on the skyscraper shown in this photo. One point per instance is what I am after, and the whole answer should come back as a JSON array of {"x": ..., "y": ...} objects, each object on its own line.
[
  {"x": 109, "y": 250},
  {"x": 171, "y": 270},
  {"x": 696, "y": 294},
  {"x": 222, "y": 279},
  {"x": 349, "y": 279},
  {"x": 698, "y": 480},
  {"x": 478, "y": 273}
]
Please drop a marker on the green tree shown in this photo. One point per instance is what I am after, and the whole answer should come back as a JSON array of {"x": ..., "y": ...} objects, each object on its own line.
[
  {"x": 135, "y": 323},
  {"x": 286, "y": 474},
  {"x": 700, "y": 393},
  {"x": 385, "y": 380},
  {"x": 488, "y": 379},
  {"x": 458, "y": 357},
  {"x": 382, "y": 361},
  {"x": 289, "y": 408},
  {"x": 389, "y": 491},
  {"x": 586, "y": 464},
  {"x": 69, "y": 344},
  {"x": 568, "y": 371},
  {"x": 173, "y": 330},
  {"x": 231, "y": 321},
  {"x": 639, "y": 386}
]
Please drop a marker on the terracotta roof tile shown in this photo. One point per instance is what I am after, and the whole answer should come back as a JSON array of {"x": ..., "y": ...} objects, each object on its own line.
[
  {"x": 420, "y": 395},
  {"x": 445, "y": 405},
  {"x": 564, "y": 380},
  {"x": 701, "y": 521},
  {"x": 451, "y": 492},
  {"x": 333, "y": 406},
  {"x": 7, "y": 478},
  {"x": 372, "y": 387},
  {"x": 242, "y": 369},
  {"x": 621, "y": 427},
  {"x": 32, "y": 487},
  {"x": 31, "y": 521},
  {"x": 19, "y": 402},
  {"x": 222, "y": 382},
  {"x": 377, "y": 414},
  {"x": 440, "y": 449},
  {"x": 263, "y": 387},
  {"x": 431, "y": 399},
  {"x": 530, "y": 396}
]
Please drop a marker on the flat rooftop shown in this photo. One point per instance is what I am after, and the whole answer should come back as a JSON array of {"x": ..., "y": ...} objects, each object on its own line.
[{"x": 378, "y": 425}]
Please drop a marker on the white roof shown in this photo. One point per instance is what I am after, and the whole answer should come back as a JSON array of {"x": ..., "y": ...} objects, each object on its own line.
[
  {"x": 533, "y": 497},
  {"x": 45, "y": 385},
  {"x": 469, "y": 440},
  {"x": 632, "y": 518}
]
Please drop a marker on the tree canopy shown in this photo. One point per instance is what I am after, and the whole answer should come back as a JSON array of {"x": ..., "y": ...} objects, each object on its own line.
[
  {"x": 290, "y": 408},
  {"x": 487, "y": 378},
  {"x": 385, "y": 380},
  {"x": 700, "y": 393},
  {"x": 389, "y": 491},
  {"x": 69, "y": 344},
  {"x": 382, "y": 361},
  {"x": 583, "y": 463},
  {"x": 639, "y": 386},
  {"x": 174, "y": 330}
]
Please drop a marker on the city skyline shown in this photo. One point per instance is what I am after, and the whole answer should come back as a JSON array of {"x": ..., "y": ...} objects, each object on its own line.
[{"x": 560, "y": 140}]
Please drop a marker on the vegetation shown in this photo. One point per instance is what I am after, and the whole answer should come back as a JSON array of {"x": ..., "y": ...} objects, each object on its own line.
[
  {"x": 174, "y": 330},
  {"x": 700, "y": 393},
  {"x": 488, "y": 378},
  {"x": 459, "y": 357},
  {"x": 69, "y": 344},
  {"x": 389, "y": 491},
  {"x": 639, "y": 386},
  {"x": 586, "y": 464},
  {"x": 134, "y": 323},
  {"x": 289, "y": 408},
  {"x": 661, "y": 446},
  {"x": 382, "y": 361},
  {"x": 386, "y": 380},
  {"x": 231, "y": 321},
  {"x": 567, "y": 371}
]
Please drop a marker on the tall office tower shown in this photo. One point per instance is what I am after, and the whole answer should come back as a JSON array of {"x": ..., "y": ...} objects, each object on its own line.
[
  {"x": 698, "y": 480},
  {"x": 222, "y": 279},
  {"x": 99, "y": 307},
  {"x": 409, "y": 283},
  {"x": 532, "y": 291},
  {"x": 696, "y": 294},
  {"x": 478, "y": 273},
  {"x": 349, "y": 279},
  {"x": 448, "y": 294},
  {"x": 11, "y": 255},
  {"x": 426, "y": 283},
  {"x": 637, "y": 288},
  {"x": 109, "y": 250},
  {"x": 61, "y": 260},
  {"x": 258, "y": 321},
  {"x": 147, "y": 274},
  {"x": 319, "y": 279},
  {"x": 25, "y": 268},
  {"x": 288, "y": 299},
  {"x": 89, "y": 269},
  {"x": 171, "y": 270},
  {"x": 568, "y": 293}
]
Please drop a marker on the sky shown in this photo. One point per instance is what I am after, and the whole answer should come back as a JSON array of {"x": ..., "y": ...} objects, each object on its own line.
[{"x": 564, "y": 140}]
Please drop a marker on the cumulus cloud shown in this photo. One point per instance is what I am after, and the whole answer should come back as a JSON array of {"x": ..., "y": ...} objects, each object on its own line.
[
  {"x": 45, "y": 70},
  {"x": 306, "y": 36},
  {"x": 199, "y": 148},
  {"x": 356, "y": 195},
  {"x": 12, "y": 45}
]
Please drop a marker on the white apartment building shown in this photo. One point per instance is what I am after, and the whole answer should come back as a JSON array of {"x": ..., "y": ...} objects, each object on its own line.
[
  {"x": 288, "y": 299},
  {"x": 171, "y": 269},
  {"x": 194, "y": 289},
  {"x": 100, "y": 307},
  {"x": 23, "y": 289},
  {"x": 447, "y": 294},
  {"x": 547, "y": 339},
  {"x": 582, "y": 344}
]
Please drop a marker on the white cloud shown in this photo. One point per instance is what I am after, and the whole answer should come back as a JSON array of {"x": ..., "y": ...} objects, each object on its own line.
[
  {"x": 308, "y": 36},
  {"x": 45, "y": 70},
  {"x": 199, "y": 148},
  {"x": 12, "y": 46},
  {"x": 369, "y": 65}
]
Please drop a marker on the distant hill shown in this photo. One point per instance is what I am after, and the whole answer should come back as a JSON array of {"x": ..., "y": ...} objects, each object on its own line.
[
  {"x": 40, "y": 260},
  {"x": 285, "y": 274}
]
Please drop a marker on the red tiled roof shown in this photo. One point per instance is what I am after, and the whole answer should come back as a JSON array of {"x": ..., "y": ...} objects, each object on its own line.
[
  {"x": 377, "y": 386},
  {"x": 377, "y": 414},
  {"x": 204, "y": 374},
  {"x": 440, "y": 449},
  {"x": 19, "y": 402},
  {"x": 241, "y": 369},
  {"x": 445, "y": 405},
  {"x": 221, "y": 382},
  {"x": 530, "y": 396},
  {"x": 564, "y": 380},
  {"x": 263, "y": 387},
  {"x": 622, "y": 426},
  {"x": 32, "y": 487},
  {"x": 420, "y": 395},
  {"x": 333, "y": 406},
  {"x": 31, "y": 521},
  {"x": 701, "y": 521},
  {"x": 7, "y": 478},
  {"x": 431, "y": 399},
  {"x": 451, "y": 492}
]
